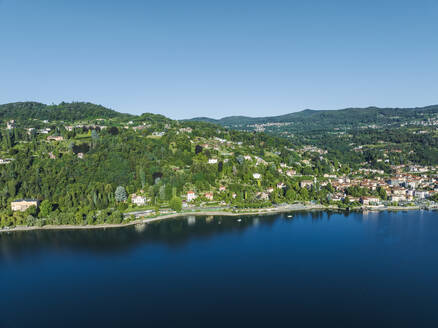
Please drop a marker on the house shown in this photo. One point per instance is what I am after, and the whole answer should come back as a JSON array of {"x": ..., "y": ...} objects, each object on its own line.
[
  {"x": 398, "y": 198},
  {"x": 262, "y": 195},
  {"x": 81, "y": 155},
  {"x": 399, "y": 191},
  {"x": 222, "y": 188},
  {"x": 212, "y": 161},
  {"x": 256, "y": 175},
  {"x": 209, "y": 195},
  {"x": 421, "y": 194},
  {"x": 10, "y": 124},
  {"x": 191, "y": 196},
  {"x": 23, "y": 204},
  {"x": 291, "y": 173},
  {"x": 55, "y": 138},
  {"x": 44, "y": 131},
  {"x": 138, "y": 200},
  {"x": 369, "y": 200},
  {"x": 5, "y": 160},
  {"x": 30, "y": 130},
  {"x": 281, "y": 185},
  {"x": 306, "y": 183},
  {"x": 337, "y": 197}
]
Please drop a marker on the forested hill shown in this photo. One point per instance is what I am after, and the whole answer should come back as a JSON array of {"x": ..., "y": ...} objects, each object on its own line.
[
  {"x": 69, "y": 112},
  {"x": 327, "y": 119}
]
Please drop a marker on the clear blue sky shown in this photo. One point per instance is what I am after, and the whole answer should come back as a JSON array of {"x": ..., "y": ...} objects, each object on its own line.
[{"x": 188, "y": 58}]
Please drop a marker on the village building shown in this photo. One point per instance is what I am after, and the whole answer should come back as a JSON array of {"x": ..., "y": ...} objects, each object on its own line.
[
  {"x": 138, "y": 200},
  {"x": 421, "y": 194},
  {"x": 262, "y": 195},
  {"x": 291, "y": 173},
  {"x": 209, "y": 196},
  {"x": 44, "y": 131},
  {"x": 23, "y": 204},
  {"x": 55, "y": 138},
  {"x": 370, "y": 200},
  {"x": 10, "y": 125},
  {"x": 337, "y": 197},
  {"x": 5, "y": 160},
  {"x": 188, "y": 130},
  {"x": 306, "y": 183},
  {"x": 191, "y": 196},
  {"x": 256, "y": 175},
  {"x": 397, "y": 198},
  {"x": 212, "y": 161}
]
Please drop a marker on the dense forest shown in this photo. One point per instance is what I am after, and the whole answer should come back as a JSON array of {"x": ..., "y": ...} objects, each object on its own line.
[{"x": 23, "y": 112}]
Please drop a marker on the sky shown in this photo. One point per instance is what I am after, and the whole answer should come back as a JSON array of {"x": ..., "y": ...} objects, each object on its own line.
[{"x": 192, "y": 58}]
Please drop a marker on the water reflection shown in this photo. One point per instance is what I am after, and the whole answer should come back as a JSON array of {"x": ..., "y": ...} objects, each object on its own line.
[
  {"x": 173, "y": 233},
  {"x": 384, "y": 228}
]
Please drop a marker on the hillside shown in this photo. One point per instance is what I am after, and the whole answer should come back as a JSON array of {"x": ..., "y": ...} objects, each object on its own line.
[
  {"x": 86, "y": 164},
  {"x": 353, "y": 135},
  {"x": 69, "y": 112},
  {"x": 328, "y": 119}
]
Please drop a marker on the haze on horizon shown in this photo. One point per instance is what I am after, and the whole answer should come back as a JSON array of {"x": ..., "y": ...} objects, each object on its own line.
[{"x": 190, "y": 58}]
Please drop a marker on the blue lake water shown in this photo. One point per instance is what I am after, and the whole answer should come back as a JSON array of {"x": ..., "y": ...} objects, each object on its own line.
[{"x": 310, "y": 270}]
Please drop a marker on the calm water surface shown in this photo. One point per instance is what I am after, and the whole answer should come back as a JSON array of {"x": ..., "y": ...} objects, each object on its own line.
[{"x": 311, "y": 270}]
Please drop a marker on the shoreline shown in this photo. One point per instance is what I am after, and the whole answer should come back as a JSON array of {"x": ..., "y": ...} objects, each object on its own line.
[{"x": 263, "y": 211}]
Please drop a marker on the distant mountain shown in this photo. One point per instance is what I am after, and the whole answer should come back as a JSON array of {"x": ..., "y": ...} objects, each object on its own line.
[
  {"x": 64, "y": 111},
  {"x": 323, "y": 119}
]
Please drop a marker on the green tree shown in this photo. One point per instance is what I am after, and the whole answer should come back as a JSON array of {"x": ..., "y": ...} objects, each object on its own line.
[
  {"x": 45, "y": 208},
  {"x": 142, "y": 178},
  {"x": 120, "y": 194},
  {"x": 176, "y": 204}
]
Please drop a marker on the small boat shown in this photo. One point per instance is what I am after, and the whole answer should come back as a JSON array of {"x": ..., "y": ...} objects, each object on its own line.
[
  {"x": 289, "y": 216},
  {"x": 239, "y": 220}
]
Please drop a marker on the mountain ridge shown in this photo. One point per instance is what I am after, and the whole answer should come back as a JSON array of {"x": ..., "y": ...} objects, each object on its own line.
[{"x": 316, "y": 111}]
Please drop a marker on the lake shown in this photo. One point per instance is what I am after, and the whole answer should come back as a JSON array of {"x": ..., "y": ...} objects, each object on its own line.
[{"x": 308, "y": 270}]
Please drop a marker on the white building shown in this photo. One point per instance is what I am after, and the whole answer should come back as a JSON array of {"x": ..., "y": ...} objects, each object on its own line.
[
  {"x": 10, "y": 124},
  {"x": 191, "y": 196},
  {"x": 421, "y": 194},
  {"x": 138, "y": 200},
  {"x": 23, "y": 204}
]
